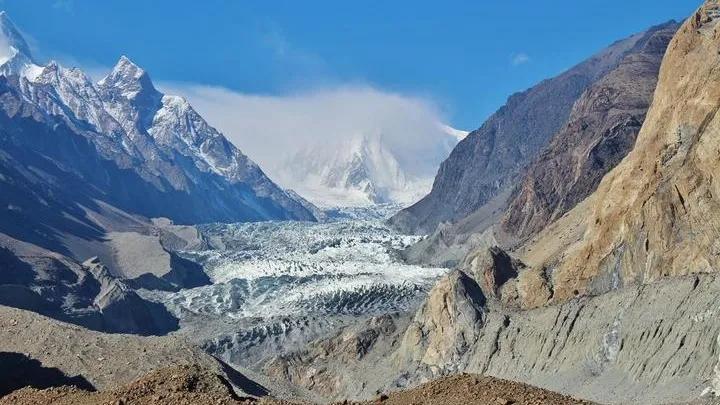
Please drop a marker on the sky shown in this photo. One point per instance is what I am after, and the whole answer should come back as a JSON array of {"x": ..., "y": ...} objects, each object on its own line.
[{"x": 463, "y": 57}]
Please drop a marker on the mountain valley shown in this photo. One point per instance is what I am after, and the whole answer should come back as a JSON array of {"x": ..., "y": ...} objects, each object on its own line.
[{"x": 565, "y": 253}]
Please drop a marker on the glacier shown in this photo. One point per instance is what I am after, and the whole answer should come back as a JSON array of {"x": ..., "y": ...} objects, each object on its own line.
[
  {"x": 278, "y": 285},
  {"x": 287, "y": 268}
]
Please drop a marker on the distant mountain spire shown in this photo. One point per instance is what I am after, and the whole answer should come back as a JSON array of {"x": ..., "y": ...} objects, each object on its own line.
[{"x": 129, "y": 79}]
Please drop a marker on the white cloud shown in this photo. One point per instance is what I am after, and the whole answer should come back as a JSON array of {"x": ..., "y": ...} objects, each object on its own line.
[
  {"x": 64, "y": 5},
  {"x": 270, "y": 128},
  {"x": 520, "y": 59}
]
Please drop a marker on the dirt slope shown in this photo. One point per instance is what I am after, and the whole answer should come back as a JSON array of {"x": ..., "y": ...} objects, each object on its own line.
[
  {"x": 467, "y": 389},
  {"x": 102, "y": 360},
  {"x": 181, "y": 385}
]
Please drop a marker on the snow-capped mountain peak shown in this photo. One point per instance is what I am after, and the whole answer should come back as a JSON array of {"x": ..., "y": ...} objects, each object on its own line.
[
  {"x": 12, "y": 42},
  {"x": 15, "y": 56},
  {"x": 366, "y": 169},
  {"x": 162, "y": 146},
  {"x": 128, "y": 79}
]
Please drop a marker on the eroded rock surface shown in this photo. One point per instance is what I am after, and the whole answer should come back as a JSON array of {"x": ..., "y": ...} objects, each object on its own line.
[
  {"x": 488, "y": 162},
  {"x": 104, "y": 360},
  {"x": 647, "y": 344},
  {"x": 600, "y": 132},
  {"x": 655, "y": 214}
]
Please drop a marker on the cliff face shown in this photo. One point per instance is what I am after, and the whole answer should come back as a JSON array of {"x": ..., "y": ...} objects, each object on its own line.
[
  {"x": 488, "y": 161},
  {"x": 600, "y": 132},
  {"x": 656, "y": 214}
]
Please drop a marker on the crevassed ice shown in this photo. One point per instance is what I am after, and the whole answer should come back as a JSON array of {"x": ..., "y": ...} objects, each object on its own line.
[{"x": 292, "y": 268}]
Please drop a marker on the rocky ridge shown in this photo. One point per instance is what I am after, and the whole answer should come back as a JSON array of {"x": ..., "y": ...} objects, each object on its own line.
[
  {"x": 600, "y": 132},
  {"x": 174, "y": 385},
  {"x": 82, "y": 293},
  {"x": 489, "y": 160},
  {"x": 654, "y": 215},
  {"x": 647, "y": 344},
  {"x": 104, "y": 361},
  {"x": 597, "y": 133}
]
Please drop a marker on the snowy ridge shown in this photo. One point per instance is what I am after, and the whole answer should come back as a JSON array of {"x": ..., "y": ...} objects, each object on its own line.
[{"x": 161, "y": 137}]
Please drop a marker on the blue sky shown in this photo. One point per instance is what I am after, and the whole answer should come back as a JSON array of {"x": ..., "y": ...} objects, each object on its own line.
[{"x": 465, "y": 56}]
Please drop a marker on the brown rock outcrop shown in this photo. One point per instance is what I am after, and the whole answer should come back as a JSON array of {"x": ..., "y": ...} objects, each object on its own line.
[
  {"x": 656, "y": 213},
  {"x": 492, "y": 268},
  {"x": 447, "y": 324},
  {"x": 466, "y": 389},
  {"x": 600, "y": 132}
]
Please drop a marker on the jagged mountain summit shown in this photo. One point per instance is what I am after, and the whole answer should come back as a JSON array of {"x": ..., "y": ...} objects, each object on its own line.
[
  {"x": 366, "y": 169},
  {"x": 128, "y": 144}
]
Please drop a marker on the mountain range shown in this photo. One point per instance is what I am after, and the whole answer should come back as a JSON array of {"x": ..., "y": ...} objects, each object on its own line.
[
  {"x": 540, "y": 154},
  {"x": 578, "y": 228},
  {"x": 137, "y": 149},
  {"x": 599, "y": 279}
]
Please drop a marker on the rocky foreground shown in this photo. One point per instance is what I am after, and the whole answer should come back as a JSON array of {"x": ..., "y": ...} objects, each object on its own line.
[
  {"x": 195, "y": 385},
  {"x": 175, "y": 385},
  {"x": 45, "y": 361}
]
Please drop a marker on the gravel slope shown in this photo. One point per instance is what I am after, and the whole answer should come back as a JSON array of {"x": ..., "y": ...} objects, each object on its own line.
[{"x": 103, "y": 360}]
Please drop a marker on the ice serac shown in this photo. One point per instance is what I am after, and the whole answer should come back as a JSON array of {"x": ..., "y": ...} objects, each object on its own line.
[{"x": 481, "y": 171}]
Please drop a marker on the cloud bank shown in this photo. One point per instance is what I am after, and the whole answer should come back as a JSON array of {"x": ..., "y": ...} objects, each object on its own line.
[{"x": 269, "y": 129}]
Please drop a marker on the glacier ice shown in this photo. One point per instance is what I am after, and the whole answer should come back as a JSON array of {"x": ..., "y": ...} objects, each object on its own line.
[{"x": 271, "y": 269}]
